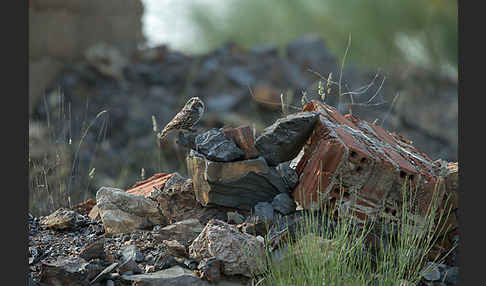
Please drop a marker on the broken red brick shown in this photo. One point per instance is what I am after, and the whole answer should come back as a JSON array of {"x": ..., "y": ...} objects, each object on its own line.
[
  {"x": 363, "y": 164},
  {"x": 145, "y": 187}
]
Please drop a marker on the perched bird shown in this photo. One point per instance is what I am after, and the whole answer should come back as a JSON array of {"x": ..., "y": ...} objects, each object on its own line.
[{"x": 190, "y": 114}]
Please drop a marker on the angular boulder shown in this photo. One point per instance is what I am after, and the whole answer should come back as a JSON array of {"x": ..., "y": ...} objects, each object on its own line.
[
  {"x": 62, "y": 219},
  {"x": 184, "y": 231},
  {"x": 121, "y": 212},
  {"x": 65, "y": 271},
  {"x": 283, "y": 140},
  {"x": 239, "y": 253},
  {"x": 215, "y": 146},
  {"x": 239, "y": 184}
]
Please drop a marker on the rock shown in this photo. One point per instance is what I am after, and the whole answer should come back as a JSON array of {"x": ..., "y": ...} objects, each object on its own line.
[
  {"x": 65, "y": 271},
  {"x": 93, "y": 250},
  {"x": 361, "y": 165},
  {"x": 283, "y": 140},
  {"x": 284, "y": 204},
  {"x": 267, "y": 96},
  {"x": 132, "y": 252},
  {"x": 244, "y": 139},
  {"x": 431, "y": 272},
  {"x": 310, "y": 51},
  {"x": 62, "y": 219},
  {"x": 288, "y": 174},
  {"x": 264, "y": 211},
  {"x": 175, "y": 248},
  {"x": 166, "y": 261},
  {"x": 107, "y": 60},
  {"x": 254, "y": 226},
  {"x": 174, "y": 276},
  {"x": 183, "y": 231},
  {"x": 215, "y": 146},
  {"x": 122, "y": 212},
  {"x": 129, "y": 266},
  {"x": 94, "y": 213},
  {"x": 110, "y": 283},
  {"x": 177, "y": 201},
  {"x": 451, "y": 275},
  {"x": 238, "y": 252},
  {"x": 235, "y": 217},
  {"x": 153, "y": 184},
  {"x": 239, "y": 184},
  {"x": 210, "y": 269}
]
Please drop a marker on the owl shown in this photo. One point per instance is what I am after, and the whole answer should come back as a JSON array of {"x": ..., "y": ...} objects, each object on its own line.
[{"x": 190, "y": 114}]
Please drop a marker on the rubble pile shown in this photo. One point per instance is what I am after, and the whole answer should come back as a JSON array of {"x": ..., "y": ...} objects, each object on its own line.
[
  {"x": 244, "y": 196},
  {"x": 239, "y": 87}
]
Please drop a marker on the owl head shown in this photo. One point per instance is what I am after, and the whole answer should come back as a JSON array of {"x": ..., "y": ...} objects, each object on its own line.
[{"x": 195, "y": 104}]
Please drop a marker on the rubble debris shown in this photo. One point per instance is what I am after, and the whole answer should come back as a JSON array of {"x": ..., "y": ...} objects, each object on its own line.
[
  {"x": 283, "y": 140},
  {"x": 215, "y": 146},
  {"x": 96, "y": 249},
  {"x": 360, "y": 164},
  {"x": 123, "y": 212},
  {"x": 239, "y": 184},
  {"x": 237, "y": 251},
  {"x": 66, "y": 271},
  {"x": 244, "y": 139},
  {"x": 176, "y": 275},
  {"x": 284, "y": 203},
  {"x": 62, "y": 219},
  {"x": 184, "y": 231},
  {"x": 132, "y": 252}
]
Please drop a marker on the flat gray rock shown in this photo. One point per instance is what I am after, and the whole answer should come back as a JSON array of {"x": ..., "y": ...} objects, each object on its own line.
[{"x": 174, "y": 276}]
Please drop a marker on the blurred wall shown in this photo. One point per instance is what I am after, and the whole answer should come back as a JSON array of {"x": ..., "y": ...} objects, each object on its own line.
[{"x": 61, "y": 30}]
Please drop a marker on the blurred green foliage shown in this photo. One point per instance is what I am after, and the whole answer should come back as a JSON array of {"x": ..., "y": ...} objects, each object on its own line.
[{"x": 385, "y": 33}]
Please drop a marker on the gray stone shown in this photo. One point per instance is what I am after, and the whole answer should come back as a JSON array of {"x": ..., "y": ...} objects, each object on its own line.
[
  {"x": 451, "y": 275},
  {"x": 122, "y": 212},
  {"x": 215, "y": 146},
  {"x": 431, "y": 272},
  {"x": 210, "y": 269},
  {"x": 184, "y": 231},
  {"x": 238, "y": 251},
  {"x": 129, "y": 266},
  {"x": 284, "y": 204},
  {"x": 174, "y": 276},
  {"x": 283, "y": 140},
  {"x": 235, "y": 217},
  {"x": 65, "y": 271},
  {"x": 264, "y": 211},
  {"x": 288, "y": 174},
  {"x": 239, "y": 184},
  {"x": 132, "y": 252}
]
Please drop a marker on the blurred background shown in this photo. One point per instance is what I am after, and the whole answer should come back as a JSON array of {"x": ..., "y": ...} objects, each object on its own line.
[{"x": 106, "y": 76}]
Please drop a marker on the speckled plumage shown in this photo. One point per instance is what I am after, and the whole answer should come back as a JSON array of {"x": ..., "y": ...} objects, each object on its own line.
[{"x": 189, "y": 116}]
